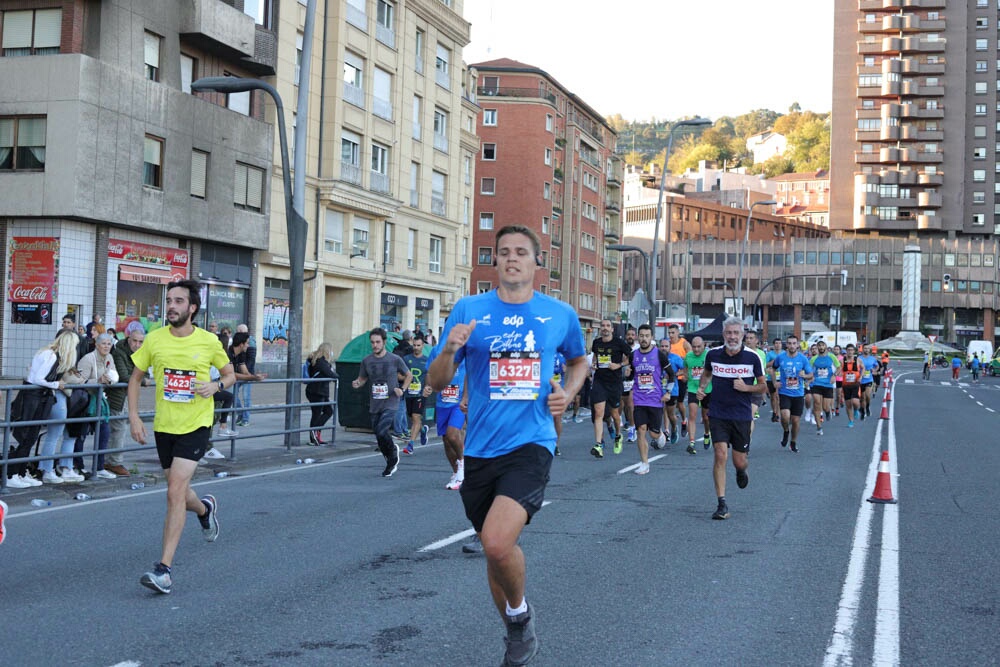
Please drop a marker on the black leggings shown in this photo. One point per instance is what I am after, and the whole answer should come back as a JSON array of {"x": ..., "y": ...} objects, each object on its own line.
[
  {"x": 320, "y": 413},
  {"x": 382, "y": 425}
]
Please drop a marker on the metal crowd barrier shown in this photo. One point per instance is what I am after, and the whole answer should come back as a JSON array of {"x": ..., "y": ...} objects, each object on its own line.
[{"x": 292, "y": 413}]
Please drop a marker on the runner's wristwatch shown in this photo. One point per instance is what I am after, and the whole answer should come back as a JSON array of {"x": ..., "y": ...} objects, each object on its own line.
[{"x": 222, "y": 387}]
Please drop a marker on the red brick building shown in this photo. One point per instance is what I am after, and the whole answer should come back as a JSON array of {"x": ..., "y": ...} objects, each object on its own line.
[{"x": 547, "y": 162}]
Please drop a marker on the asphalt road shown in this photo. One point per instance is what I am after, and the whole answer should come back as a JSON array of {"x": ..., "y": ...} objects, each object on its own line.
[{"x": 329, "y": 564}]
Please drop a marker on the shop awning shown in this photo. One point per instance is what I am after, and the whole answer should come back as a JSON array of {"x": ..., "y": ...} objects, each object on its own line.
[{"x": 147, "y": 274}]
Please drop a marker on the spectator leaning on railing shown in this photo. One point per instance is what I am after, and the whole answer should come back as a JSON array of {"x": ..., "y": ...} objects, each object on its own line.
[
  {"x": 320, "y": 366},
  {"x": 98, "y": 367},
  {"x": 117, "y": 397}
]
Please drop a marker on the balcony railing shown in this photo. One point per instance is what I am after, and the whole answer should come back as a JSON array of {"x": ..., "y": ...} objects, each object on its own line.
[
  {"x": 354, "y": 95},
  {"x": 590, "y": 159},
  {"x": 438, "y": 206},
  {"x": 385, "y": 35},
  {"x": 441, "y": 142},
  {"x": 442, "y": 79},
  {"x": 382, "y": 108},
  {"x": 357, "y": 18},
  {"x": 350, "y": 172},
  {"x": 515, "y": 92},
  {"x": 379, "y": 182}
]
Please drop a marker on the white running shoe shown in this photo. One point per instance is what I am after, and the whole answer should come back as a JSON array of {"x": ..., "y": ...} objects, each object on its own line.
[
  {"x": 454, "y": 484},
  {"x": 106, "y": 474},
  {"x": 70, "y": 475},
  {"x": 226, "y": 432},
  {"x": 642, "y": 469},
  {"x": 214, "y": 453},
  {"x": 17, "y": 482},
  {"x": 30, "y": 481},
  {"x": 662, "y": 440},
  {"x": 50, "y": 477}
]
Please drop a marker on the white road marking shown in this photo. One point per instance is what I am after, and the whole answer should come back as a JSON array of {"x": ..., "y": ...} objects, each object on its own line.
[
  {"x": 636, "y": 465},
  {"x": 456, "y": 537},
  {"x": 947, "y": 384},
  {"x": 908, "y": 381},
  {"x": 127, "y": 663},
  {"x": 886, "y": 645},
  {"x": 991, "y": 409}
]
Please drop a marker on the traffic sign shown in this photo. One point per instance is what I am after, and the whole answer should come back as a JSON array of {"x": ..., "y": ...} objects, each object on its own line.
[{"x": 932, "y": 338}]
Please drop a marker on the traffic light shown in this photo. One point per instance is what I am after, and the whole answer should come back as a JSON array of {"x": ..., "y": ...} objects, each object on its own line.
[{"x": 946, "y": 282}]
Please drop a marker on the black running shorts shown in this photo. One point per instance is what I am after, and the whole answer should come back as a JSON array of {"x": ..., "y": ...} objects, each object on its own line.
[
  {"x": 824, "y": 392},
  {"x": 520, "y": 475},
  {"x": 191, "y": 446},
  {"x": 735, "y": 433},
  {"x": 415, "y": 405},
  {"x": 693, "y": 398},
  {"x": 793, "y": 404},
  {"x": 602, "y": 393},
  {"x": 852, "y": 391},
  {"x": 651, "y": 418}
]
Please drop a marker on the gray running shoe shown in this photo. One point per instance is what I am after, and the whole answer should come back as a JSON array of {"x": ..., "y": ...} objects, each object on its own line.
[
  {"x": 473, "y": 546},
  {"x": 210, "y": 522},
  {"x": 522, "y": 644},
  {"x": 158, "y": 580}
]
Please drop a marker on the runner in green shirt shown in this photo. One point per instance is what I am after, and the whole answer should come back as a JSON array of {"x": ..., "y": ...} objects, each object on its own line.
[{"x": 694, "y": 364}]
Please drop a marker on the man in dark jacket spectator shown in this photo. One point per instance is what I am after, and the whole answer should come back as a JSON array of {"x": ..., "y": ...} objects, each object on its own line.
[{"x": 117, "y": 398}]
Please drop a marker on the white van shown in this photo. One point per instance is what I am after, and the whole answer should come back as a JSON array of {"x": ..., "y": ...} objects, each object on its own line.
[
  {"x": 831, "y": 338},
  {"x": 983, "y": 347}
]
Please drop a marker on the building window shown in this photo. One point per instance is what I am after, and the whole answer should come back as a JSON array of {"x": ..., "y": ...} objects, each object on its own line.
[
  {"x": 982, "y": 44},
  {"x": 981, "y": 88},
  {"x": 417, "y": 115},
  {"x": 979, "y": 175},
  {"x": 980, "y": 109},
  {"x": 380, "y": 168},
  {"x": 411, "y": 245},
  {"x": 434, "y": 256},
  {"x": 982, "y": 23},
  {"x": 360, "y": 236},
  {"x": 350, "y": 157},
  {"x": 354, "y": 89},
  {"x": 385, "y": 22},
  {"x": 490, "y": 117},
  {"x": 22, "y": 144},
  {"x": 485, "y": 256},
  {"x": 298, "y": 57},
  {"x": 978, "y": 197},
  {"x": 441, "y": 71},
  {"x": 466, "y": 207},
  {"x": 382, "y": 94},
  {"x": 415, "y": 184},
  {"x": 978, "y": 219},
  {"x": 485, "y": 221},
  {"x": 981, "y": 65},
  {"x": 438, "y": 201},
  {"x": 238, "y": 102},
  {"x": 467, "y": 169},
  {"x": 483, "y": 286},
  {"x": 546, "y": 191},
  {"x": 189, "y": 72},
  {"x": 31, "y": 32},
  {"x": 199, "y": 173},
  {"x": 545, "y": 224},
  {"x": 387, "y": 245},
  {"x": 548, "y": 123},
  {"x": 979, "y": 153},
  {"x": 418, "y": 47},
  {"x": 333, "y": 240},
  {"x": 548, "y": 156},
  {"x": 489, "y": 152},
  {"x": 441, "y": 130},
  {"x": 151, "y": 56},
  {"x": 152, "y": 162},
  {"x": 488, "y": 186},
  {"x": 249, "y": 192}
]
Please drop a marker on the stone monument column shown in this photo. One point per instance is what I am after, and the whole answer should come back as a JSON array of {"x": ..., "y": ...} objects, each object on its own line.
[{"x": 911, "y": 289}]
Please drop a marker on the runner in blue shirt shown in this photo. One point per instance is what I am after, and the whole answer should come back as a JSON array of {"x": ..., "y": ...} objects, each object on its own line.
[
  {"x": 450, "y": 420},
  {"x": 772, "y": 390},
  {"x": 736, "y": 376},
  {"x": 974, "y": 366},
  {"x": 825, "y": 366},
  {"x": 508, "y": 339},
  {"x": 869, "y": 363},
  {"x": 794, "y": 370}
]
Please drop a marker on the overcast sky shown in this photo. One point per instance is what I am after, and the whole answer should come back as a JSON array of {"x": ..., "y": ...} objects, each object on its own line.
[{"x": 667, "y": 58}]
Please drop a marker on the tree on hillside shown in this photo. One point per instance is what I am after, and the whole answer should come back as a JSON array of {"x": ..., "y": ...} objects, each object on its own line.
[{"x": 635, "y": 158}]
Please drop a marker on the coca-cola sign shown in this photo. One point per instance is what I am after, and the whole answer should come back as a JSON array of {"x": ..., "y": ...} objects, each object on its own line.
[
  {"x": 32, "y": 269},
  {"x": 131, "y": 251}
]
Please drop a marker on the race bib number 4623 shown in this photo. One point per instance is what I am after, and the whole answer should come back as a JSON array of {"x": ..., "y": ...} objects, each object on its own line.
[
  {"x": 178, "y": 385},
  {"x": 515, "y": 375}
]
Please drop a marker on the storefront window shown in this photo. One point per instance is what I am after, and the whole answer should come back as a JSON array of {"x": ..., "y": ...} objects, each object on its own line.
[{"x": 391, "y": 312}]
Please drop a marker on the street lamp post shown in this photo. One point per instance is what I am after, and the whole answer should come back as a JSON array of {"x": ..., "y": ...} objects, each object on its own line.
[
  {"x": 690, "y": 122},
  {"x": 723, "y": 283},
  {"x": 842, "y": 273},
  {"x": 743, "y": 248},
  {"x": 645, "y": 273},
  {"x": 297, "y": 229}
]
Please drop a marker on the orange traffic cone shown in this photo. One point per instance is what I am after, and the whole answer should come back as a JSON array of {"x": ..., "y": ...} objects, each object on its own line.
[
  {"x": 885, "y": 410},
  {"x": 888, "y": 393},
  {"x": 883, "y": 483}
]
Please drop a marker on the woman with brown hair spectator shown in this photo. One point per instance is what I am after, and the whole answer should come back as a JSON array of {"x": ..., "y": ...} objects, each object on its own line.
[{"x": 318, "y": 393}]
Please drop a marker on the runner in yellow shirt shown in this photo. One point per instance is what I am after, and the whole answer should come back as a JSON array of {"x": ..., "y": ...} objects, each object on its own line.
[{"x": 180, "y": 356}]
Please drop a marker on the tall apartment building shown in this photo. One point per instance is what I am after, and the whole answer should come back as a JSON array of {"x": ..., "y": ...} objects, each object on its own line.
[
  {"x": 389, "y": 166},
  {"x": 115, "y": 178},
  {"x": 548, "y": 162},
  {"x": 915, "y": 146}
]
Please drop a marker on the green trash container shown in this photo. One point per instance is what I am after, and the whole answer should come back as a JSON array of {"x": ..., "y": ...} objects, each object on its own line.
[{"x": 353, "y": 404}]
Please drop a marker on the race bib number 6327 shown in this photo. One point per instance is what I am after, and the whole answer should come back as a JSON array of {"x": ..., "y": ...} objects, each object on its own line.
[{"x": 515, "y": 375}]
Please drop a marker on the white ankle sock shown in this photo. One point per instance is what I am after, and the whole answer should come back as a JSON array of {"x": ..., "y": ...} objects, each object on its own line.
[{"x": 520, "y": 610}]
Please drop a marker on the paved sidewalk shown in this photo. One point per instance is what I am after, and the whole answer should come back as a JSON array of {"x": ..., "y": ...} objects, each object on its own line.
[{"x": 257, "y": 447}]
